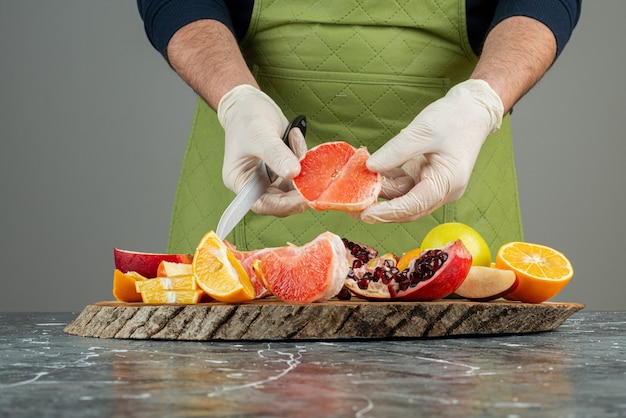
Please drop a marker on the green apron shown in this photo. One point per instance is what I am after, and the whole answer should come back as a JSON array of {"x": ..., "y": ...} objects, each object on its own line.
[{"x": 360, "y": 72}]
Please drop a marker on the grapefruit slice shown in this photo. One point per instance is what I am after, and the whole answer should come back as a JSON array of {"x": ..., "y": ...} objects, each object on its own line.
[
  {"x": 333, "y": 176},
  {"x": 314, "y": 272}
]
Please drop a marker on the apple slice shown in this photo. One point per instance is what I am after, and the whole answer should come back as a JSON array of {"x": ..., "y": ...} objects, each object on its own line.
[
  {"x": 483, "y": 284},
  {"x": 146, "y": 264}
]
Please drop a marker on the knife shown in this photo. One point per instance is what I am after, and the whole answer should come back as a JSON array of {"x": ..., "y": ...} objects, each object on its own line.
[{"x": 255, "y": 187}]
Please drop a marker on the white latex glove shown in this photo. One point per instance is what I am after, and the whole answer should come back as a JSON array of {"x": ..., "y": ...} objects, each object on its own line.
[
  {"x": 438, "y": 150},
  {"x": 282, "y": 199},
  {"x": 253, "y": 126}
]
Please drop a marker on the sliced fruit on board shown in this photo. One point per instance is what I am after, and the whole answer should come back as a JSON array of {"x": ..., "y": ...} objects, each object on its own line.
[
  {"x": 447, "y": 232},
  {"x": 542, "y": 271},
  {"x": 163, "y": 296},
  {"x": 437, "y": 273},
  {"x": 167, "y": 283},
  {"x": 219, "y": 273},
  {"x": 333, "y": 176},
  {"x": 483, "y": 284},
  {"x": 171, "y": 269},
  {"x": 314, "y": 272},
  {"x": 373, "y": 279},
  {"x": 124, "y": 286},
  {"x": 246, "y": 258},
  {"x": 143, "y": 263}
]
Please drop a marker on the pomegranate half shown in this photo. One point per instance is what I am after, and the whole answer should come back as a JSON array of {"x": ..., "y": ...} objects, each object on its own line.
[{"x": 435, "y": 274}]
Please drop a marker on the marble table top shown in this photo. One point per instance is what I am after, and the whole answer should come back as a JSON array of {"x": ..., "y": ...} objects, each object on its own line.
[{"x": 577, "y": 370}]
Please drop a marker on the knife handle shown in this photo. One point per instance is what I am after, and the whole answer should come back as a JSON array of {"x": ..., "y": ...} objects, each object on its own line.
[{"x": 298, "y": 122}]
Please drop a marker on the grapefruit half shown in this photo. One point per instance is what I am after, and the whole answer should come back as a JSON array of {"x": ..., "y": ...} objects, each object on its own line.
[
  {"x": 333, "y": 176},
  {"x": 314, "y": 272}
]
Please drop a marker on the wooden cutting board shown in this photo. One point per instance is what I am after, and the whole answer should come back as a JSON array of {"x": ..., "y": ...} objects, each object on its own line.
[{"x": 270, "y": 319}]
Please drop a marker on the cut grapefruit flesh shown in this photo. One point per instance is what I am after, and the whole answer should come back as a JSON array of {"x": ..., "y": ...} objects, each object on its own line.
[
  {"x": 314, "y": 272},
  {"x": 333, "y": 176}
]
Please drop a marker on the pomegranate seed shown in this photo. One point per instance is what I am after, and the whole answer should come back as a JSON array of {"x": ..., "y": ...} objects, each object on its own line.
[{"x": 344, "y": 294}]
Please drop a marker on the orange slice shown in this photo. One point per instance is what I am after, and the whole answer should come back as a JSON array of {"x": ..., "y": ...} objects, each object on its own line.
[
  {"x": 124, "y": 286},
  {"x": 407, "y": 257},
  {"x": 171, "y": 296},
  {"x": 167, "y": 283},
  {"x": 219, "y": 273},
  {"x": 542, "y": 271},
  {"x": 172, "y": 269}
]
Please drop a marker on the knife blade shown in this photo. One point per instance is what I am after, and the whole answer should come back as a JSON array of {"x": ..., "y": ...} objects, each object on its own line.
[{"x": 254, "y": 188}]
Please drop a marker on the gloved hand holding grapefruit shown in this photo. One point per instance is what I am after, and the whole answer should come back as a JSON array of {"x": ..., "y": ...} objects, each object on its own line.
[{"x": 333, "y": 176}]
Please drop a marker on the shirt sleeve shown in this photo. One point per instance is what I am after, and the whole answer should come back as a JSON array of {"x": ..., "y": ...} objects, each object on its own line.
[
  {"x": 162, "y": 18},
  {"x": 561, "y": 16}
]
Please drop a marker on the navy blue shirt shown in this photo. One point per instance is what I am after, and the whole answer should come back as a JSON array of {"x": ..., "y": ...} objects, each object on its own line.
[{"x": 162, "y": 18}]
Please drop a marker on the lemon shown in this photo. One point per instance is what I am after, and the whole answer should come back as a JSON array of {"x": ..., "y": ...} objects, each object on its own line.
[{"x": 444, "y": 233}]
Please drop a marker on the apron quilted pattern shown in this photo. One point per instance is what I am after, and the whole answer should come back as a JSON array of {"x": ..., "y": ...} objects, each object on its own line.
[{"x": 360, "y": 71}]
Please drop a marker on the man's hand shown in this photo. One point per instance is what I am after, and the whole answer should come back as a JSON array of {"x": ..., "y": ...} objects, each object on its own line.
[
  {"x": 253, "y": 126},
  {"x": 438, "y": 151},
  {"x": 439, "y": 148}
]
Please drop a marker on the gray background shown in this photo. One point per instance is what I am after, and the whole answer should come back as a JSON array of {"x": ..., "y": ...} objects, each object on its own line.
[{"x": 93, "y": 125}]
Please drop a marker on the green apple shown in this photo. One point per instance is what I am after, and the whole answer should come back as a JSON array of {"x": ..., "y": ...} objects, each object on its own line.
[{"x": 444, "y": 233}]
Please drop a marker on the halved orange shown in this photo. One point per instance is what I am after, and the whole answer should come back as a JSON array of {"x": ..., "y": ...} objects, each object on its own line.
[
  {"x": 171, "y": 296},
  {"x": 219, "y": 273},
  {"x": 167, "y": 283},
  {"x": 542, "y": 271},
  {"x": 407, "y": 257},
  {"x": 124, "y": 286}
]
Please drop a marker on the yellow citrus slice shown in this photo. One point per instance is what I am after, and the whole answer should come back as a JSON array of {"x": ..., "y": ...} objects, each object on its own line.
[
  {"x": 171, "y": 269},
  {"x": 124, "y": 286},
  {"x": 407, "y": 257},
  {"x": 542, "y": 271},
  {"x": 171, "y": 296},
  {"x": 167, "y": 283},
  {"x": 219, "y": 273}
]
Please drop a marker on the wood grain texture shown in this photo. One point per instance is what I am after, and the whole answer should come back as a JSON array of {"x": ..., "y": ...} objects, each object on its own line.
[{"x": 270, "y": 320}]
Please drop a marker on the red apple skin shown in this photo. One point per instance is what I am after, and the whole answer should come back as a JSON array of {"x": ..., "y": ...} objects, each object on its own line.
[
  {"x": 145, "y": 264},
  {"x": 446, "y": 280},
  {"x": 484, "y": 284}
]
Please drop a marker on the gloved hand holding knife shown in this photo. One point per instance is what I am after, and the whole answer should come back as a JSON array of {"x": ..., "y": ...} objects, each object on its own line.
[
  {"x": 261, "y": 156},
  {"x": 253, "y": 125}
]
